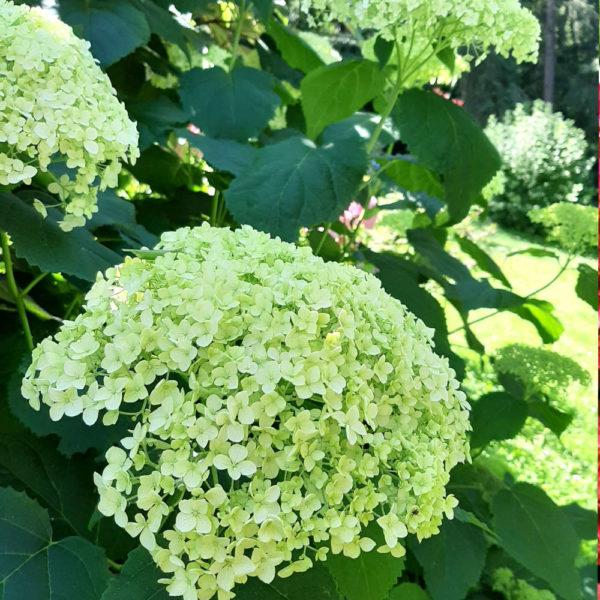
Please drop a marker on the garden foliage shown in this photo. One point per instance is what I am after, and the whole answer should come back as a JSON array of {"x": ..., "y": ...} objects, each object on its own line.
[
  {"x": 544, "y": 161},
  {"x": 244, "y": 120}
]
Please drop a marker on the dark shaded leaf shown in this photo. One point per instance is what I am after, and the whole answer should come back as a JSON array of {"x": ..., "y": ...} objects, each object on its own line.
[
  {"x": 537, "y": 534},
  {"x": 138, "y": 580},
  {"x": 368, "y": 577},
  {"x": 295, "y": 183},
  {"x": 496, "y": 416},
  {"x": 459, "y": 285},
  {"x": 462, "y": 153},
  {"x": 225, "y": 155},
  {"x": 113, "y": 28},
  {"x": 409, "y": 591},
  {"x": 537, "y": 252},
  {"x": 484, "y": 261},
  {"x": 452, "y": 560},
  {"x": 383, "y": 50},
  {"x": 399, "y": 279},
  {"x": 43, "y": 244},
  {"x": 33, "y": 566},
  {"x": 587, "y": 285},
  {"x": 552, "y": 418},
  {"x": 583, "y": 521},
  {"x": 334, "y": 92},
  {"x": 236, "y": 105},
  {"x": 162, "y": 22}
]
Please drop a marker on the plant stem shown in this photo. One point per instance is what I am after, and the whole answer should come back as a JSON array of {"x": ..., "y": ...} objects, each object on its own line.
[
  {"x": 115, "y": 566},
  {"x": 12, "y": 286},
  {"x": 32, "y": 284},
  {"x": 237, "y": 34},
  {"x": 323, "y": 238},
  {"x": 213, "y": 209}
]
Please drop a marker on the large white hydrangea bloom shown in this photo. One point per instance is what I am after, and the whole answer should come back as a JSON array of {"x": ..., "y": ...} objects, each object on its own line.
[
  {"x": 280, "y": 404},
  {"x": 57, "y": 105},
  {"x": 482, "y": 24}
]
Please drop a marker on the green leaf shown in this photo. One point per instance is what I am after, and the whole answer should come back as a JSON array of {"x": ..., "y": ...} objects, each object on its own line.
[
  {"x": 447, "y": 57},
  {"x": 538, "y": 535},
  {"x": 75, "y": 436},
  {"x": 412, "y": 177},
  {"x": 113, "y": 28},
  {"x": 236, "y": 105},
  {"x": 537, "y": 252},
  {"x": 399, "y": 279},
  {"x": 333, "y": 92},
  {"x": 461, "y": 152},
  {"x": 162, "y": 22},
  {"x": 33, "y": 566},
  {"x": 43, "y": 244},
  {"x": 138, "y": 580},
  {"x": 368, "y": 577},
  {"x": 295, "y": 183},
  {"x": 452, "y": 560},
  {"x": 484, "y": 261},
  {"x": 314, "y": 583},
  {"x": 583, "y": 521},
  {"x": 262, "y": 9},
  {"x": 552, "y": 418},
  {"x": 294, "y": 50},
  {"x": 383, "y": 50},
  {"x": 408, "y": 591},
  {"x": 160, "y": 169},
  {"x": 587, "y": 285},
  {"x": 540, "y": 314},
  {"x": 156, "y": 118},
  {"x": 459, "y": 285},
  {"x": 496, "y": 416},
  {"x": 225, "y": 155},
  {"x": 31, "y": 305},
  {"x": 359, "y": 126}
]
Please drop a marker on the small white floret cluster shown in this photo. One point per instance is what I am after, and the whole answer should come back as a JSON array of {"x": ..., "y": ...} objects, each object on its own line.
[
  {"x": 503, "y": 25},
  {"x": 280, "y": 404},
  {"x": 56, "y": 105}
]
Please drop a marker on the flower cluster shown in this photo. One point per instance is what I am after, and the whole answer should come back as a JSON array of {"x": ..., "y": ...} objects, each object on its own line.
[
  {"x": 56, "y": 105},
  {"x": 541, "y": 371},
  {"x": 573, "y": 226},
  {"x": 280, "y": 404},
  {"x": 505, "y": 26}
]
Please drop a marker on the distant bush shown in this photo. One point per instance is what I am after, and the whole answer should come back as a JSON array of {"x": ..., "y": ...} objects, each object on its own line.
[{"x": 545, "y": 160}]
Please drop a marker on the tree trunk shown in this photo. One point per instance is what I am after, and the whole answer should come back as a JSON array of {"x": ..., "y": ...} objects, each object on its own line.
[{"x": 549, "y": 55}]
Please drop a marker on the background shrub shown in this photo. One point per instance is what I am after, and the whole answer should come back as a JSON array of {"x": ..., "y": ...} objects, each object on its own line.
[{"x": 544, "y": 160}]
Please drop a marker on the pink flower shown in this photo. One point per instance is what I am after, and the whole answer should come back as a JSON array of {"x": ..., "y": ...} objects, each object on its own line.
[{"x": 352, "y": 216}]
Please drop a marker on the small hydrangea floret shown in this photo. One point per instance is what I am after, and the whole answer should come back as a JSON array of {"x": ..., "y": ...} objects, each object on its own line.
[
  {"x": 281, "y": 407},
  {"x": 56, "y": 105}
]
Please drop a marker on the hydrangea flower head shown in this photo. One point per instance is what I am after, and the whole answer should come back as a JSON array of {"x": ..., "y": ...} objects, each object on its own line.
[
  {"x": 280, "y": 405},
  {"x": 505, "y": 26},
  {"x": 57, "y": 105},
  {"x": 573, "y": 226}
]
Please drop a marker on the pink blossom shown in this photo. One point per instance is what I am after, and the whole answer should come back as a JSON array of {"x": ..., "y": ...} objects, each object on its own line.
[{"x": 352, "y": 216}]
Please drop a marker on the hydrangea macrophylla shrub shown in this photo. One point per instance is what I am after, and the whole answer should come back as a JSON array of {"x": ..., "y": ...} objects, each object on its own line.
[
  {"x": 57, "y": 105},
  {"x": 420, "y": 24},
  {"x": 280, "y": 404}
]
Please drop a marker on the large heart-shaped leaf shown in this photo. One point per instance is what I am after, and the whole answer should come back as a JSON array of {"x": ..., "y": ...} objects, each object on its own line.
[
  {"x": 296, "y": 183},
  {"x": 113, "y": 28},
  {"x": 333, "y": 92},
  {"x": 536, "y": 533},
  {"x": 461, "y": 152},
  {"x": 236, "y": 105},
  {"x": 34, "y": 566}
]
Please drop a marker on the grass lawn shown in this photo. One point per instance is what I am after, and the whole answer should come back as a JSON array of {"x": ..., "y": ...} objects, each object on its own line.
[{"x": 566, "y": 468}]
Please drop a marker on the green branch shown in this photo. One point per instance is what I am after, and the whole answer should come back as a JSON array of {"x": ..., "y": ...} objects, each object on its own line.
[{"x": 12, "y": 286}]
